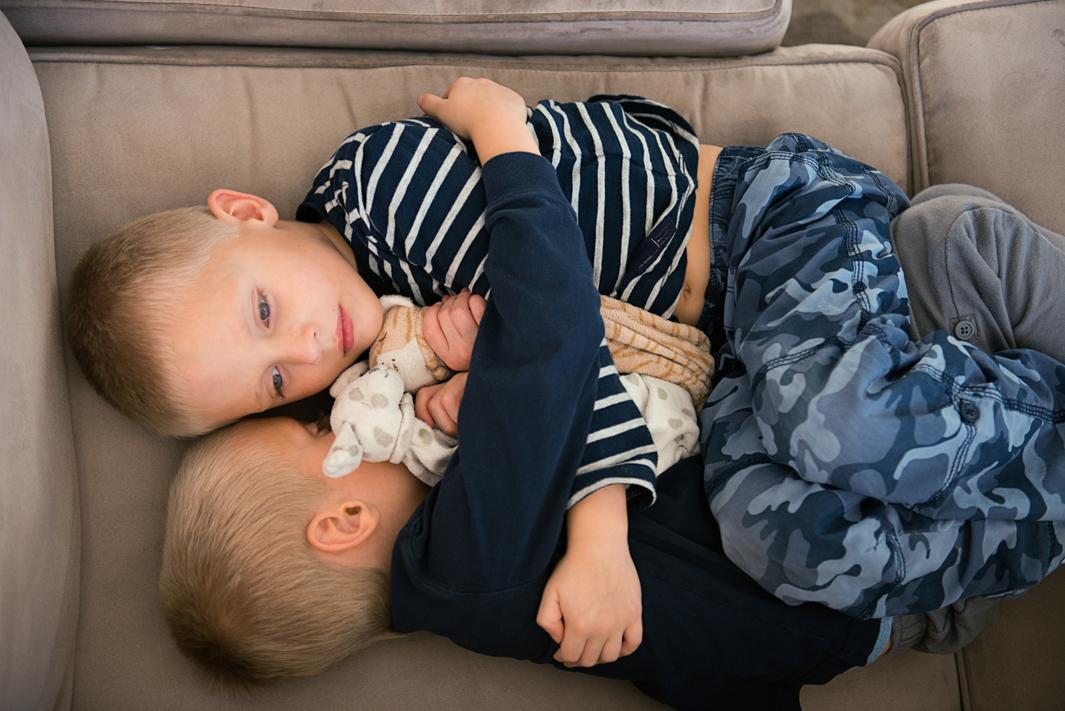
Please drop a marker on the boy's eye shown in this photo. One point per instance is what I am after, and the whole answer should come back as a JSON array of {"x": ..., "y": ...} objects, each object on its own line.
[
  {"x": 264, "y": 310},
  {"x": 278, "y": 382}
]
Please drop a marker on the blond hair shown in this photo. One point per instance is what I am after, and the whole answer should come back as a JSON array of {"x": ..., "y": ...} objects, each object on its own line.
[
  {"x": 121, "y": 301},
  {"x": 245, "y": 595}
]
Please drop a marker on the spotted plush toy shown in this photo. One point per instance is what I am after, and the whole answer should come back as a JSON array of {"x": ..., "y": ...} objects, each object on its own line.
[{"x": 373, "y": 413}]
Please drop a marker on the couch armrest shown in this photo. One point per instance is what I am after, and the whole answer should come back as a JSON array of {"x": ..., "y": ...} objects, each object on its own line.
[
  {"x": 39, "y": 549},
  {"x": 985, "y": 89}
]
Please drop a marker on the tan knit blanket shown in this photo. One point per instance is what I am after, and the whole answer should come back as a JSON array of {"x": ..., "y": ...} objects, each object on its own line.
[{"x": 645, "y": 343}]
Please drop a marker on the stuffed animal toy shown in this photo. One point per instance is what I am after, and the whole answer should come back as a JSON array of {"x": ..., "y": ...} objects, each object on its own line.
[{"x": 373, "y": 412}]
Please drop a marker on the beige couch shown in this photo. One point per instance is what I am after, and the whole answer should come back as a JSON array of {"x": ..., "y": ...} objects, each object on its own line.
[{"x": 122, "y": 107}]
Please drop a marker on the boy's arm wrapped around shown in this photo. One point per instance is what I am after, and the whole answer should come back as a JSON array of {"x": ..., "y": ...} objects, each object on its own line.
[{"x": 530, "y": 388}]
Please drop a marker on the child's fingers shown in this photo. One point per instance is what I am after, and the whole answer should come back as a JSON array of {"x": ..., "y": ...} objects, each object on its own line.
[
  {"x": 593, "y": 648},
  {"x": 477, "y": 306},
  {"x": 457, "y": 311},
  {"x": 464, "y": 306},
  {"x": 429, "y": 408},
  {"x": 633, "y": 638},
  {"x": 549, "y": 616},
  {"x": 449, "y": 328},
  {"x": 450, "y": 398},
  {"x": 443, "y": 420},
  {"x": 421, "y": 403},
  {"x": 430, "y": 103},
  {"x": 434, "y": 336},
  {"x": 461, "y": 301},
  {"x": 571, "y": 649},
  {"x": 611, "y": 650}
]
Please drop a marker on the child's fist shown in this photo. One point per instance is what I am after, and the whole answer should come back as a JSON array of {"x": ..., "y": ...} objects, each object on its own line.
[
  {"x": 450, "y": 328},
  {"x": 438, "y": 405},
  {"x": 469, "y": 105}
]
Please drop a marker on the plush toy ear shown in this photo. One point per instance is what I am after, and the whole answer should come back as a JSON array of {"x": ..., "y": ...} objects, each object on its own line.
[
  {"x": 344, "y": 456},
  {"x": 347, "y": 377}
]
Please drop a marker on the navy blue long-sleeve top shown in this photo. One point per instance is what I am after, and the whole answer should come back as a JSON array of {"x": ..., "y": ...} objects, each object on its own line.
[{"x": 472, "y": 562}]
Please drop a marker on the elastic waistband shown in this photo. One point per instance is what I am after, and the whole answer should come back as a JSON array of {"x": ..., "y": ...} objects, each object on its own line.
[
  {"x": 730, "y": 163},
  {"x": 726, "y": 174}
]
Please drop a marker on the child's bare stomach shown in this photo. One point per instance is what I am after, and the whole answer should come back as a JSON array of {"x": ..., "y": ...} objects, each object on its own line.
[{"x": 697, "y": 273}]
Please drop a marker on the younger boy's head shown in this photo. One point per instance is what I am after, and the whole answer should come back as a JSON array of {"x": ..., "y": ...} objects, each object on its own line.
[
  {"x": 271, "y": 569},
  {"x": 192, "y": 318}
]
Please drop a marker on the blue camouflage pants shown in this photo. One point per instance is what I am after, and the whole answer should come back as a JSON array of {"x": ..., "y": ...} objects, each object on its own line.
[{"x": 846, "y": 463}]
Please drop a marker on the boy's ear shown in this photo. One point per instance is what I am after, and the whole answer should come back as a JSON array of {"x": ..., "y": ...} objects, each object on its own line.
[
  {"x": 342, "y": 528},
  {"x": 234, "y": 207}
]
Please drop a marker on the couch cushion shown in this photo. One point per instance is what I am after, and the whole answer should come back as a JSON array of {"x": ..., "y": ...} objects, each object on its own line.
[
  {"x": 898, "y": 682},
  {"x": 145, "y": 129},
  {"x": 1017, "y": 662},
  {"x": 38, "y": 506},
  {"x": 986, "y": 91},
  {"x": 672, "y": 27}
]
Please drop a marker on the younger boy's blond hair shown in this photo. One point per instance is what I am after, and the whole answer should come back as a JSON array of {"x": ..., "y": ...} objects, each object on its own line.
[
  {"x": 120, "y": 302},
  {"x": 245, "y": 595}
]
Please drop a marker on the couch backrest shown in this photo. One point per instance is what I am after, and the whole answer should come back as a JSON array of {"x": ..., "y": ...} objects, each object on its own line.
[
  {"x": 635, "y": 27},
  {"x": 38, "y": 499}
]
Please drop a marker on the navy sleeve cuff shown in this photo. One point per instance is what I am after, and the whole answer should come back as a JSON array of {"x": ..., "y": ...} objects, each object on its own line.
[{"x": 517, "y": 172}]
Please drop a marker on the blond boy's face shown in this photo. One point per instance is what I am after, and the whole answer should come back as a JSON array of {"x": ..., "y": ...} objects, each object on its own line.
[{"x": 277, "y": 313}]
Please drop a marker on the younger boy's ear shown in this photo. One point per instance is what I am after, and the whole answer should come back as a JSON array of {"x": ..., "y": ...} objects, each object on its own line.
[
  {"x": 342, "y": 528},
  {"x": 234, "y": 207}
]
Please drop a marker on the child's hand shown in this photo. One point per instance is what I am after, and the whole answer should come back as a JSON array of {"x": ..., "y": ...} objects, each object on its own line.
[
  {"x": 438, "y": 405},
  {"x": 470, "y": 104},
  {"x": 490, "y": 115},
  {"x": 591, "y": 605},
  {"x": 450, "y": 328}
]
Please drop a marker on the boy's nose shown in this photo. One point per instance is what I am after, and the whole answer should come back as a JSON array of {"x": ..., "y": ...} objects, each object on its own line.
[{"x": 303, "y": 346}]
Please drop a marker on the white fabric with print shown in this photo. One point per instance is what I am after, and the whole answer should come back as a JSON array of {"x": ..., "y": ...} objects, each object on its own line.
[
  {"x": 667, "y": 409},
  {"x": 373, "y": 419}
]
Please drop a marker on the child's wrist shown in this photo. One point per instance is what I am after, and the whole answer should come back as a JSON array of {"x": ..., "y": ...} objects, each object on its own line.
[
  {"x": 495, "y": 138},
  {"x": 601, "y": 517}
]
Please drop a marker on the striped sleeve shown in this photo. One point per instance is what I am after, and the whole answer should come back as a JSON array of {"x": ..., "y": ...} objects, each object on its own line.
[{"x": 619, "y": 449}]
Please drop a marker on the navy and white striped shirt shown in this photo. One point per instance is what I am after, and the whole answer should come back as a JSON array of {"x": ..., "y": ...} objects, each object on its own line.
[{"x": 407, "y": 195}]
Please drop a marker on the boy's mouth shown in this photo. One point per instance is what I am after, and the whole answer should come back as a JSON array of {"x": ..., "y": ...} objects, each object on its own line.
[{"x": 345, "y": 331}]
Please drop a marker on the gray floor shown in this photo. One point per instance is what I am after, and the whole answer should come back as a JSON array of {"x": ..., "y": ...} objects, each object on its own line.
[{"x": 840, "y": 21}]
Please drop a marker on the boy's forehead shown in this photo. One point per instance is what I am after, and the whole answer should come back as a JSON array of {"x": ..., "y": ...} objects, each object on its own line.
[{"x": 281, "y": 435}]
